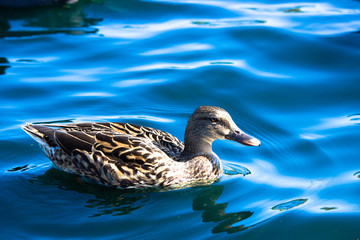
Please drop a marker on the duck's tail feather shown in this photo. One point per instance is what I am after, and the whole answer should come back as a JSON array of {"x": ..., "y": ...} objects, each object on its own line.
[{"x": 41, "y": 134}]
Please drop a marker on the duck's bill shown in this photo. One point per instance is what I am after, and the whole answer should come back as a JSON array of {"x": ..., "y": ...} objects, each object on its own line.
[{"x": 243, "y": 138}]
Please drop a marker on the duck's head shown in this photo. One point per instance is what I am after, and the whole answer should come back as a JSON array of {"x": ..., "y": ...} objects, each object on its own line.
[{"x": 207, "y": 124}]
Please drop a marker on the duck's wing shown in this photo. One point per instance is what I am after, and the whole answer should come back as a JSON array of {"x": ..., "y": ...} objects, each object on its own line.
[
  {"x": 120, "y": 148},
  {"x": 111, "y": 158},
  {"x": 114, "y": 159},
  {"x": 163, "y": 140}
]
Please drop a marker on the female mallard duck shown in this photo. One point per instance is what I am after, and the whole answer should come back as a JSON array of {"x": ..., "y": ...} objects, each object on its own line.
[{"x": 130, "y": 156}]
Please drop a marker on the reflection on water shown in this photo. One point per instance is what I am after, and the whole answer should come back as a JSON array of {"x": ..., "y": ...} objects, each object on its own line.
[
  {"x": 4, "y": 64},
  {"x": 21, "y": 168},
  {"x": 289, "y": 205},
  {"x": 72, "y": 19},
  {"x": 107, "y": 201},
  {"x": 34, "y": 3},
  {"x": 329, "y": 208},
  {"x": 216, "y": 212},
  {"x": 116, "y": 202}
]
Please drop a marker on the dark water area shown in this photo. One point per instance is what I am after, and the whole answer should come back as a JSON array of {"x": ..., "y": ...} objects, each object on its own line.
[{"x": 287, "y": 72}]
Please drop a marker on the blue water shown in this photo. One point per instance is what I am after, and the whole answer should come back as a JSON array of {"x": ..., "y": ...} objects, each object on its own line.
[{"x": 287, "y": 72}]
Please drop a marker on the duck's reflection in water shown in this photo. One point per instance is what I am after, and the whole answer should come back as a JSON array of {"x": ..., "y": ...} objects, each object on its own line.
[
  {"x": 107, "y": 201},
  {"x": 215, "y": 212},
  {"x": 115, "y": 202}
]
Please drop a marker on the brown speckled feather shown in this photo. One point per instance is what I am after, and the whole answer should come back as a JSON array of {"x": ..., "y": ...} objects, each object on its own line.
[{"x": 163, "y": 140}]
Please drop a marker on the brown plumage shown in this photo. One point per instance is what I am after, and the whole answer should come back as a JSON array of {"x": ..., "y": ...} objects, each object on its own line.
[{"x": 129, "y": 156}]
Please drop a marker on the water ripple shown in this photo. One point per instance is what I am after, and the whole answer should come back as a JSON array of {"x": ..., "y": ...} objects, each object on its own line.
[
  {"x": 93, "y": 94},
  {"x": 63, "y": 78},
  {"x": 241, "y": 64},
  {"x": 336, "y": 122},
  {"x": 137, "y": 82},
  {"x": 280, "y": 15},
  {"x": 289, "y": 205},
  {"x": 190, "y": 47},
  {"x": 235, "y": 169}
]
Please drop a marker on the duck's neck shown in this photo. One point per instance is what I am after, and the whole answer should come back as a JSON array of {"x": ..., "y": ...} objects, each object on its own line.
[
  {"x": 200, "y": 160},
  {"x": 198, "y": 154},
  {"x": 196, "y": 145}
]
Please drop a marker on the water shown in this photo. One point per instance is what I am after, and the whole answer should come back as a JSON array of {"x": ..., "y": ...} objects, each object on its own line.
[{"x": 288, "y": 73}]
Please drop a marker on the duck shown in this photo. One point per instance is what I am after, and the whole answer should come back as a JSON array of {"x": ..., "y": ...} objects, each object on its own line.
[{"x": 125, "y": 155}]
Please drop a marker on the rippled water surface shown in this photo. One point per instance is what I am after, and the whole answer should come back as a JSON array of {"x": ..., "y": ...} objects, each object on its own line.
[{"x": 287, "y": 72}]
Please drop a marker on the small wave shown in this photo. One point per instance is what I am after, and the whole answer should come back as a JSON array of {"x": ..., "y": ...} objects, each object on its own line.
[
  {"x": 281, "y": 15},
  {"x": 21, "y": 168},
  {"x": 337, "y": 122},
  {"x": 328, "y": 208},
  {"x": 189, "y": 47},
  {"x": 93, "y": 94},
  {"x": 357, "y": 174},
  {"x": 137, "y": 82},
  {"x": 289, "y": 205},
  {"x": 235, "y": 169},
  {"x": 238, "y": 63}
]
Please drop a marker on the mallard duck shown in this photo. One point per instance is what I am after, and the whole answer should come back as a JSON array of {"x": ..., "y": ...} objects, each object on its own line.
[{"x": 126, "y": 155}]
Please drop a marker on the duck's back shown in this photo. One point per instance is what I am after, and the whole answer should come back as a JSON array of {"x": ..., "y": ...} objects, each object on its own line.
[{"x": 163, "y": 140}]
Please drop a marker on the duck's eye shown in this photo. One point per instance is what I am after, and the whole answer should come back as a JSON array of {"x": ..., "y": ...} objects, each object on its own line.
[{"x": 214, "y": 120}]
